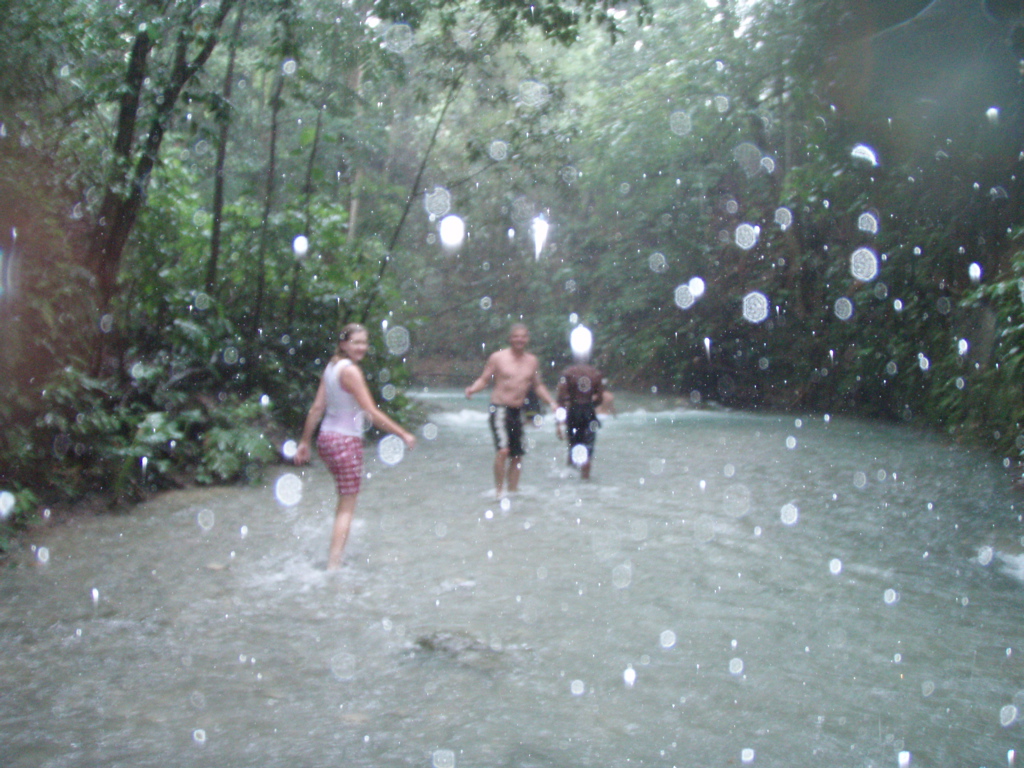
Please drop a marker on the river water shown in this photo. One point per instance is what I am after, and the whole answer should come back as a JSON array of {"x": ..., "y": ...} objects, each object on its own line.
[{"x": 728, "y": 589}]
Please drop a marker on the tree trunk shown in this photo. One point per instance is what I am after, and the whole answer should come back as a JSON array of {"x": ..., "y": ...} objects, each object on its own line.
[
  {"x": 308, "y": 226},
  {"x": 356, "y": 86},
  {"x": 126, "y": 186},
  {"x": 268, "y": 206},
  {"x": 222, "y": 153},
  {"x": 373, "y": 290}
]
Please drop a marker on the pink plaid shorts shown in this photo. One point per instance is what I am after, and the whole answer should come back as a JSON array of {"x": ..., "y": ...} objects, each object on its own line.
[{"x": 343, "y": 455}]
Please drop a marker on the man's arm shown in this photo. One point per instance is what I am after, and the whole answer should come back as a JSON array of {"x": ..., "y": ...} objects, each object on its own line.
[
  {"x": 541, "y": 390},
  {"x": 562, "y": 392},
  {"x": 484, "y": 379}
]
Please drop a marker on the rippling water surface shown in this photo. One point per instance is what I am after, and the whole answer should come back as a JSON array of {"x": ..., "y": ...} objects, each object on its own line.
[{"x": 728, "y": 589}]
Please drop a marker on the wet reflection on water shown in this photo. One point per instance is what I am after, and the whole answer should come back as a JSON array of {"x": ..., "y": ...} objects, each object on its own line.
[{"x": 727, "y": 589}]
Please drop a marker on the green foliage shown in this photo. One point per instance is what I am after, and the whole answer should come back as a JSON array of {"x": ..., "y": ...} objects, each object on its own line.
[
  {"x": 644, "y": 156},
  {"x": 235, "y": 444}
]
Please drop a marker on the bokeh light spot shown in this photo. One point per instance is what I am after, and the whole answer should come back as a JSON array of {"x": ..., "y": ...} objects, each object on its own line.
[
  {"x": 288, "y": 489},
  {"x": 391, "y": 449},
  {"x": 755, "y": 307},
  {"x": 864, "y": 264}
]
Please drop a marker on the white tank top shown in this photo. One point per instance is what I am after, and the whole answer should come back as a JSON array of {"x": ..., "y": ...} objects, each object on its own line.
[{"x": 343, "y": 414}]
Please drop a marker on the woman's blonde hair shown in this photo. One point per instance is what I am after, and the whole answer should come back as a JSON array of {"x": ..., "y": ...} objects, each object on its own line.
[{"x": 346, "y": 333}]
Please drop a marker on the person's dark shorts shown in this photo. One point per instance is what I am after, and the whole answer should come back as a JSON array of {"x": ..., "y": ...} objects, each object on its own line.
[
  {"x": 581, "y": 424},
  {"x": 507, "y": 428}
]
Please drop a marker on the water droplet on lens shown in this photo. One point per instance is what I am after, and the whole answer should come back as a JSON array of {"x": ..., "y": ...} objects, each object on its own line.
[
  {"x": 790, "y": 514},
  {"x": 498, "y": 150},
  {"x": 397, "y": 340},
  {"x": 288, "y": 489},
  {"x": 867, "y": 222},
  {"x": 629, "y": 676},
  {"x": 622, "y": 575},
  {"x": 683, "y": 297},
  {"x": 438, "y": 201},
  {"x": 755, "y": 307},
  {"x": 748, "y": 156},
  {"x": 452, "y": 231},
  {"x": 657, "y": 262},
  {"x": 343, "y": 666},
  {"x": 679, "y": 123},
  {"x": 844, "y": 308},
  {"x": 7, "y": 502},
  {"x": 864, "y": 152},
  {"x": 1008, "y": 715},
  {"x": 747, "y": 237},
  {"x": 391, "y": 450},
  {"x": 864, "y": 264},
  {"x": 205, "y": 519},
  {"x": 533, "y": 94},
  {"x": 398, "y": 38}
]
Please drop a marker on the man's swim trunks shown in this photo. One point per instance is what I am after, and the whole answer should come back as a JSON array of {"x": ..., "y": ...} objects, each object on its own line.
[
  {"x": 507, "y": 426},
  {"x": 581, "y": 423}
]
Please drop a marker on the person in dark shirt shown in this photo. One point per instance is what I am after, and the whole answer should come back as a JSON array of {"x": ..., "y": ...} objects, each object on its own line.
[{"x": 580, "y": 392}]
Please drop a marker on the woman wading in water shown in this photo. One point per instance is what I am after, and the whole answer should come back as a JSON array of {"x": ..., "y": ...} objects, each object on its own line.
[{"x": 343, "y": 403}]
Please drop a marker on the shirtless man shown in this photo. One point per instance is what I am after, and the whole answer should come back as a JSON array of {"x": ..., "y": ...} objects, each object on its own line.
[{"x": 512, "y": 371}]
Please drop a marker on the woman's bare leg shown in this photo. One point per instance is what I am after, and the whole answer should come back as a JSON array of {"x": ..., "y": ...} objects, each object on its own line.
[{"x": 339, "y": 534}]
